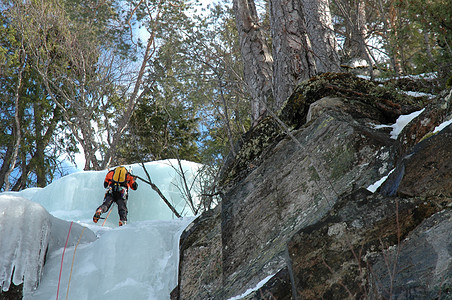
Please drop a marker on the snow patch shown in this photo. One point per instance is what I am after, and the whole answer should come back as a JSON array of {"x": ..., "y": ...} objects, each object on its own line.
[
  {"x": 417, "y": 94},
  {"x": 250, "y": 290},
  {"x": 358, "y": 63},
  {"x": 400, "y": 123},
  {"x": 373, "y": 187},
  {"x": 442, "y": 126}
]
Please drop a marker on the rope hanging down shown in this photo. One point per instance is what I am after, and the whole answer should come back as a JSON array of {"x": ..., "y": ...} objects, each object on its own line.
[
  {"x": 72, "y": 265},
  {"x": 111, "y": 208},
  {"x": 62, "y": 259},
  {"x": 75, "y": 250}
]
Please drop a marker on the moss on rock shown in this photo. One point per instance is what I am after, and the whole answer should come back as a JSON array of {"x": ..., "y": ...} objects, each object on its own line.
[
  {"x": 262, "y": 137},
  {"x": 255, "y": 142}
]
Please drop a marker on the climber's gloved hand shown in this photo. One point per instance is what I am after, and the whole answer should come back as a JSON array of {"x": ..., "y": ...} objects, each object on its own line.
[{"x": 134, "y": 186}]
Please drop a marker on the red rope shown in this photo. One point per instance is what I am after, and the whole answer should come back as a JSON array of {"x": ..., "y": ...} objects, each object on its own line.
[
  {"x": 73, "y": 258},
  {"x": 62, "y": 258},
  {"x": 111, "y": 208}
]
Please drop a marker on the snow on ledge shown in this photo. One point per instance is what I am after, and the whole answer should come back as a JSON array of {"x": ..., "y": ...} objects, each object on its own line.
[
  {"x": 373, "y": 187},
  {"x": 400, "y": 123},
  {"x": 442, "y": 126},
  {"x": 250, "y": 290}
]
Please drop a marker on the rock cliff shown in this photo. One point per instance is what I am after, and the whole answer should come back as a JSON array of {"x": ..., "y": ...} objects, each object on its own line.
[{"x": 296, "y": 219}]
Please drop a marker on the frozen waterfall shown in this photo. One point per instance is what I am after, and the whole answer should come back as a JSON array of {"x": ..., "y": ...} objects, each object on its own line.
[{"x": 136, "y": 261}]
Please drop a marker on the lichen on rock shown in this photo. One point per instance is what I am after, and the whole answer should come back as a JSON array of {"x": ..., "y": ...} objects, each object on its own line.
[
  {"x": 295, "y": 204},
  {"x": 358, "y": 97}
]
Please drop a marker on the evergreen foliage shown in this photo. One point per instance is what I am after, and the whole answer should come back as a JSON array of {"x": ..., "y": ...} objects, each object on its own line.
[
  {"x": 73, "y": 73},
  {"x": 159, "y": 132}
]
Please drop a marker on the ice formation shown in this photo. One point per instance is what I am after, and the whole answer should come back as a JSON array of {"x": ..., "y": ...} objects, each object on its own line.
[
  {"x": 24, "y": 238},
  {"x": 136, "y": 261}
]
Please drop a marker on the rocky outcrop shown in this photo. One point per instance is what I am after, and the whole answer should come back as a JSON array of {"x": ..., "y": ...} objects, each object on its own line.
[
  {"x": 423, "y": 126},
  {"x": 295, "y": 209},
  {"x": 293, "y": 188},
  {"x": 359, "y": 99},
  {"x": 420, "y": 265},
  {"x": 200, "y": 250},
  {"x": 424, "y": 171},
  {"x": 368, "y": 243},
  {"x": 332, "y": 259}
]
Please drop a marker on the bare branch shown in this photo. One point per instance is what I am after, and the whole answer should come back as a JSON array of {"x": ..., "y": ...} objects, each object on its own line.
[{"x": 155, "y": 188}]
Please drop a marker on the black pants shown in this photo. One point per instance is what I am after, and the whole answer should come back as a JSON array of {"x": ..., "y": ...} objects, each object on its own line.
[{"x": 120, "y": 197}]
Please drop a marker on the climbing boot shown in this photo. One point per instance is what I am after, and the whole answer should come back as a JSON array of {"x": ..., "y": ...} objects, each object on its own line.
[
  {"x": 122, "y": 222},
  {"x": 97, "y": 215}
]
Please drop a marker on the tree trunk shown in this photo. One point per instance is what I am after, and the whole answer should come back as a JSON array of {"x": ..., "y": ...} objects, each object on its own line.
[
  {"x": 5, "y": 164},
  {"x": 292, "y": 51},
  {"x": 390, "y": 33},
  {"x": 355, "y": 45},
  {"x": 40, "y": 147},
  {"x": 428, "y": 48},
  {"x": 35, "y": 161},
  {"x": 320, "y": 30},
  {"x": 355, "y": 22},
  {"x": 131, "y": 103},
  {"x": 256, "y": 57},
  {"x": 21, "y": 183},
  {"x": 16, "y": 127}
]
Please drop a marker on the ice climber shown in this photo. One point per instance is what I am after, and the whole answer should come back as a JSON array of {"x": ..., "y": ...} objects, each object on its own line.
[{"x": 118, "y": 182}]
